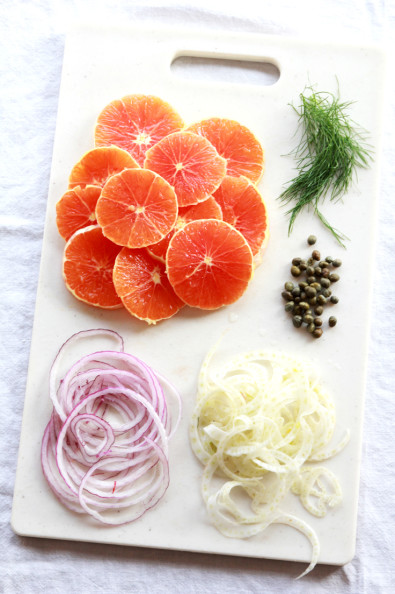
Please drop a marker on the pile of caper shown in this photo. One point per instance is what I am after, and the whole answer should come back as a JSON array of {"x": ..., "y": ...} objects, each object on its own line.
[{"x": 306, "y": 299}]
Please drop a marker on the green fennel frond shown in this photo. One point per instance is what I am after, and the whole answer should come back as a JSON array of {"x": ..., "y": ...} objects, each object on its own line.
[{"x": 330, "y": 150}]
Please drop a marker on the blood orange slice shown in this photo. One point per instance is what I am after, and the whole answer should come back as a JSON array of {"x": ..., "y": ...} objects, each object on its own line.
[
  {"x": 243, "y": 207},
  {"x": 143, "y": 287},
  {"x": 136, "y": 208},
  {"x": 135, "y": 123},
  {"x": 97, "y": 165},
  {"x": 208, "y": 209},
  {"x": 76, "y": 209},
  {"x": 236, "y": 143},
  {"x": 209, "y": 264},
  {"x": 189, "y": 163},
  {"x": 87, "y": 267}
]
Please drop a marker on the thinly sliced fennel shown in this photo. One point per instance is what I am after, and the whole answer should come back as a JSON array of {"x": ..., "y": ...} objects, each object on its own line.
[{"x": 260, "y": 423}]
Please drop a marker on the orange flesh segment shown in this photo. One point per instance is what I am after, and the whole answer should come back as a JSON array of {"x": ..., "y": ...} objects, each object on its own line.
[
  {"x": 243, "y": 207},
  {"x": 143, "y": 287},
  {"x": 209, "y": 264},
  {"x": 136, "y": 208},
  {"x": 236, "y": 143},
  {"x": 76, "y": 209},
  {"x": 208, "y": 209},
  {"x": 135, "y": 123},
  {"x": 189, "y": 163},
  {"x": 98, "y": 165},
  {"x": 87, "y": 268}
]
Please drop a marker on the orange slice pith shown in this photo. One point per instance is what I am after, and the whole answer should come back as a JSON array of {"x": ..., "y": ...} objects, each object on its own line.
[
  {"x": 208, "y": 209},
  {"x": 88, "y": 263},
  {"x": 189, "y": 163},
  {"x": 136, "y": 208},
  {"x": 143, "y": 287},
  {"x": 236, "y": 143},
  {"x": 136, "y": 122},
  {"x": 97, "y": 165},
  {"x": 209, "y": 264},
  {"x": 76, "y": 209},
  {"x": 243, "y": 207}
]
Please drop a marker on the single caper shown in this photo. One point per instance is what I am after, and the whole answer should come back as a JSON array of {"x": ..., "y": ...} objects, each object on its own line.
[
  {"x": 317, "y": 321},
  {"x": 318, "y": 271},
  {"x": 295, "y": 270},
  {"x": 311, "y": 239},
  {"x": 325, "y": 272},
  {"x": 329, "y": 259},
  {"x": 318, "y": 310},
  {"x": 313, "y": 300},
  {"x": 310, "y": 271},
  {"x": 317, "y": 333},
  {"x": 310, "y": 262},
  {"x": 303, "y": 285},
  {"x": 303, "y": 305},
  {"x": 316, "y": 255},
  {"x": 295, "y": 291},
  {"x": 332, "y": 321},
  {"x": 289, "y": 286},
  {"x": 308, "y": 318},
  {"x": 303, "y": 265},
  {"x": 337, "y": 263},
  {"x": 323, "y": 264},
  {"x": 334, "y": 299},
  {"x": 296, "y": 261},
  {"x": 334, "y": 277},
  {"x": 316, "y": 286},
  {"x": 325, "y": 283},
  {"x": 311, "y": 279},
  {"x": 326, "y": 293},
  {"x": 310, "y": 328},
  {"x": 311, "y": 292},
  {"x": 287, "y": 295},
  {"x": 321, "y": 299},
  {"x": 297, "y": 321},
  {"x": 289, "y": 306}
]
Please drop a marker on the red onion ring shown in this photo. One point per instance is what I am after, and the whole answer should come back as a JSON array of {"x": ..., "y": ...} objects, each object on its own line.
[{"x": 105, "y": 449}]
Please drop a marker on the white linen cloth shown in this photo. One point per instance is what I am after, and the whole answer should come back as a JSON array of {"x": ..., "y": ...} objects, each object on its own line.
[{"x": 32, "y": 35}]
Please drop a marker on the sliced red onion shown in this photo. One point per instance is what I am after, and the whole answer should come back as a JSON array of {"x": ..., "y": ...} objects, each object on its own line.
[{"x": 105, "y": 449}]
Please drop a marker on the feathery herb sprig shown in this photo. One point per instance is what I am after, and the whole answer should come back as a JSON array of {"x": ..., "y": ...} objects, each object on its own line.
[{"x": 329, "y": 151}]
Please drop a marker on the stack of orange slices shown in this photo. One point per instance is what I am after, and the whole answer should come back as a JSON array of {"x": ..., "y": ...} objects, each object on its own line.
[{"x": 159, "y": 215}]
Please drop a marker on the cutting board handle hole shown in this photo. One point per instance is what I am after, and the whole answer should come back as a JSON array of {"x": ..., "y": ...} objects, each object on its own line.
[{"x": 225, "y": 70}]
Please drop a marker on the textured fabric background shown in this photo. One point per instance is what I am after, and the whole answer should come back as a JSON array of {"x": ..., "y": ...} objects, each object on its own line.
[{"x": 32, "y": 35}]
